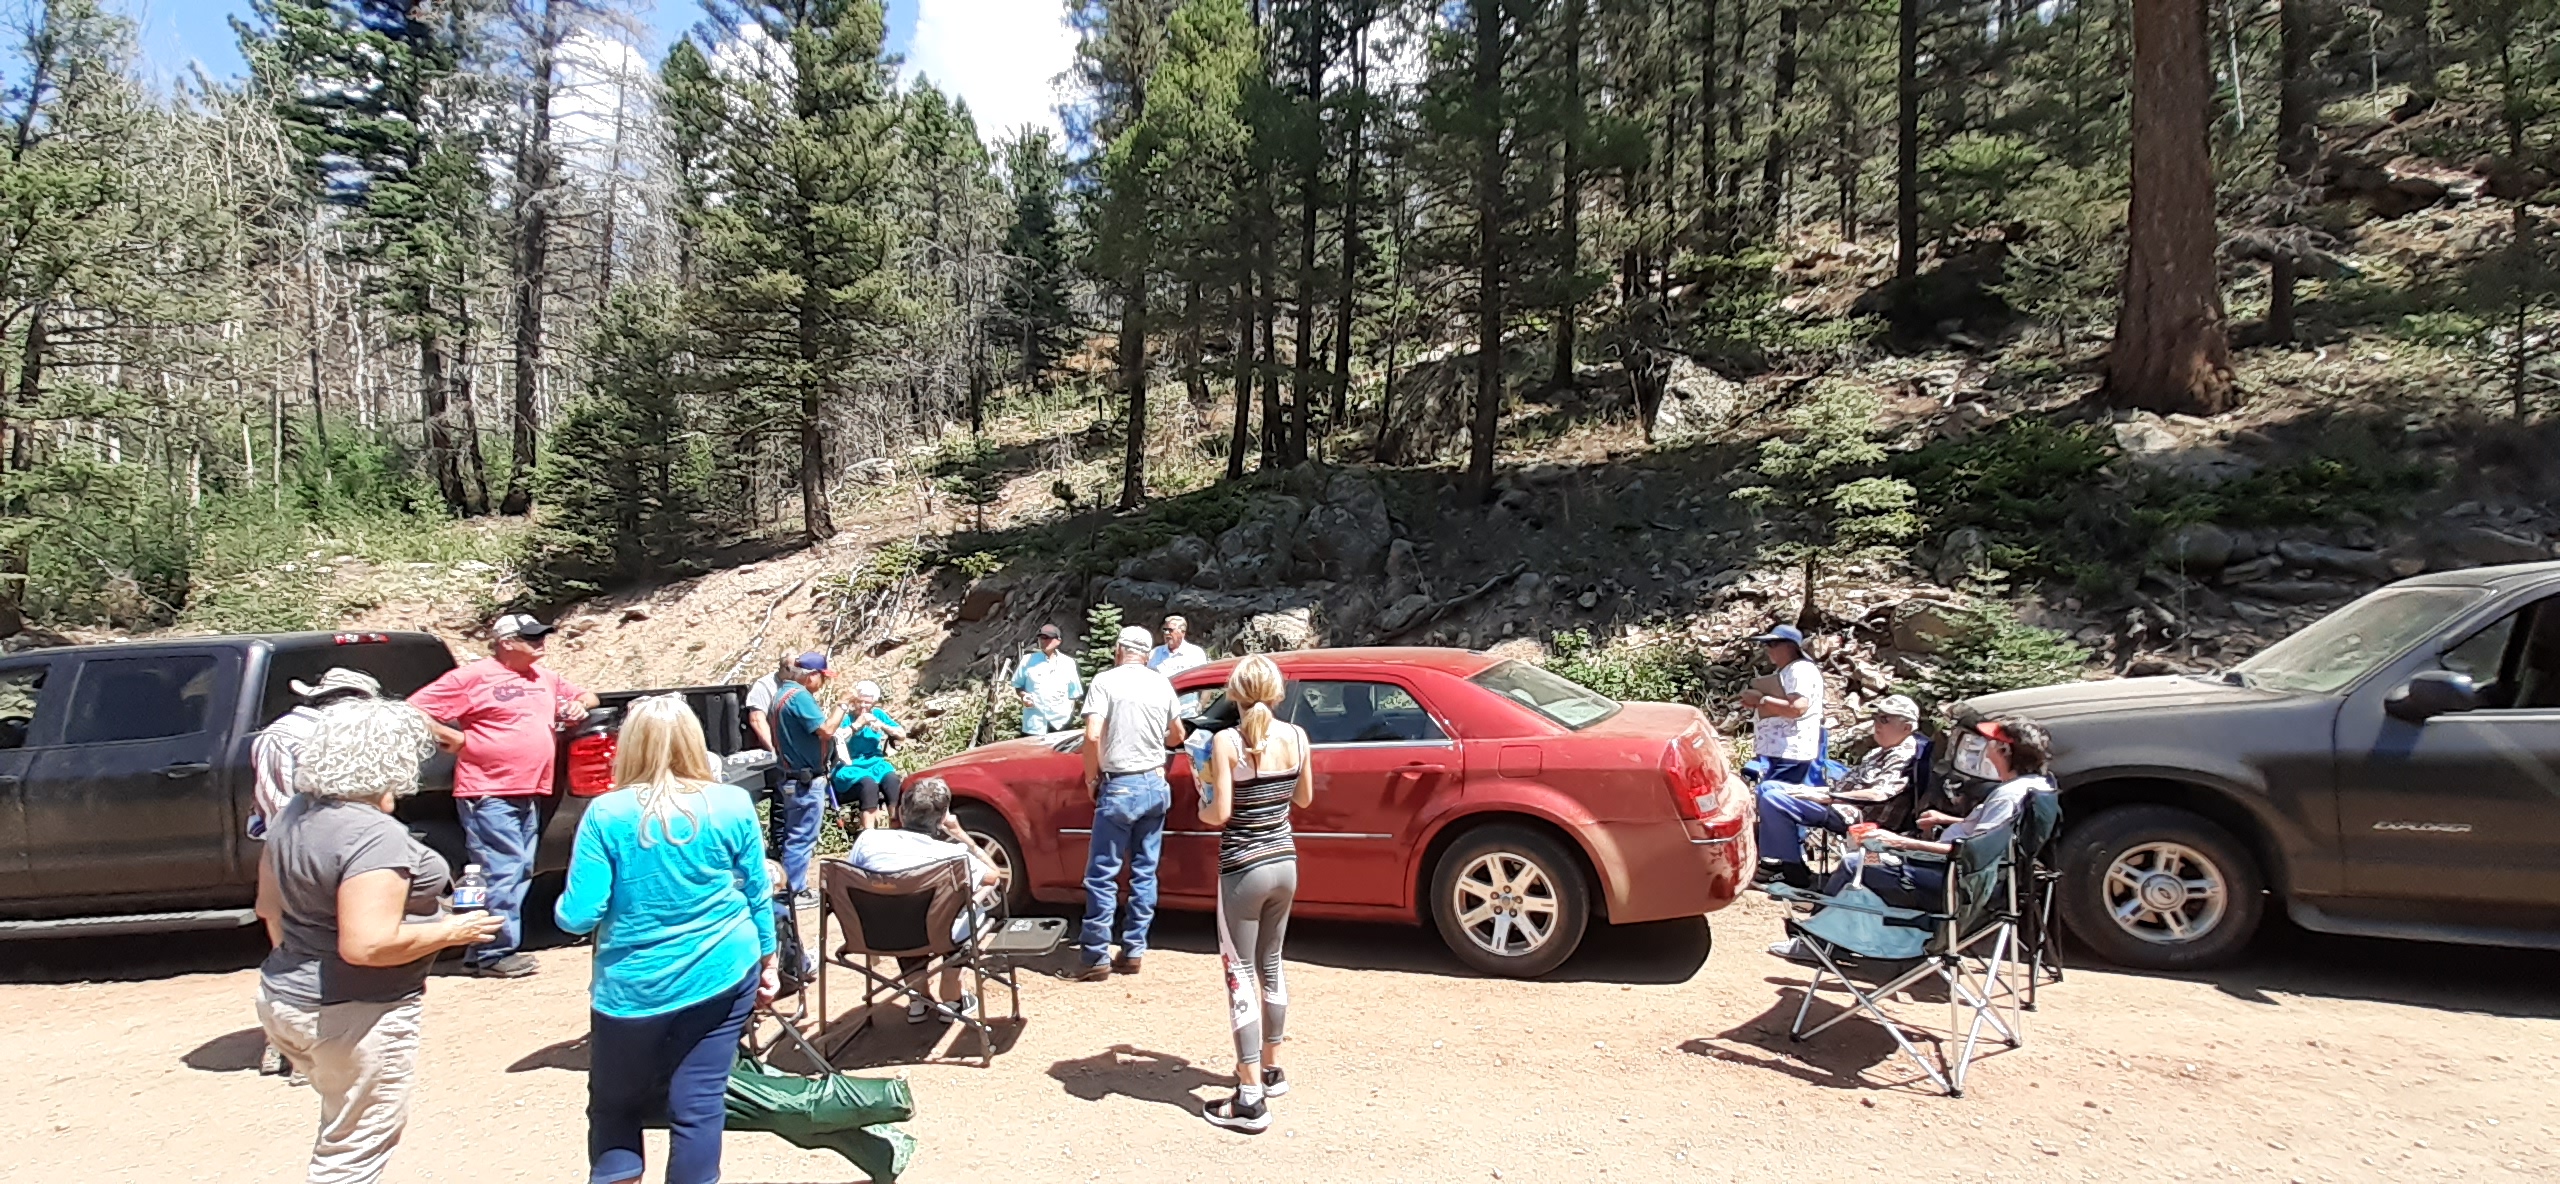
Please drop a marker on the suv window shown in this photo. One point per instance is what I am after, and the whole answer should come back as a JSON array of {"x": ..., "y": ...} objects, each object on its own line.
[
  {"x": 120, "y": 699},
  {"x": 401, "y": 667},
  {"x": 1343, "y": 712},
  {"x": 20, "y": 690}
]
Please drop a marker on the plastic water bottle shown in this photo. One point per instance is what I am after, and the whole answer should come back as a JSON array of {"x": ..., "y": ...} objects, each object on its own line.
[{"x": 471, "y": 892}]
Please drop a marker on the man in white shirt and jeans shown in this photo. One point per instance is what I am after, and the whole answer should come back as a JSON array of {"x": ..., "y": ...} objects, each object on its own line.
[
  {"x": 1788, "y": 731},
  {"x": 1131, "y": 720},
  {"x": 928, "y": 834}
]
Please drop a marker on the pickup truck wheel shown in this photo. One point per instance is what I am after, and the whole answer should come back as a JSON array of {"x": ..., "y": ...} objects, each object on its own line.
[
  {"x": 1510, "y": 902},
  {"x": 996, "y": 844},
  {"x": 2159, "y": 888}
]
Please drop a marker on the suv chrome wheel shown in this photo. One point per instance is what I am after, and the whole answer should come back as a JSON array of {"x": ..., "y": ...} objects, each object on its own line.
[
  {"x": 2165, "y": 892},
  {"x": 1506, "y": 904}
]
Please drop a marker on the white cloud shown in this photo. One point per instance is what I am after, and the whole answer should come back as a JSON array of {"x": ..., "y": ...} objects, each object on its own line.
[{"x": 1003, "y": 56}]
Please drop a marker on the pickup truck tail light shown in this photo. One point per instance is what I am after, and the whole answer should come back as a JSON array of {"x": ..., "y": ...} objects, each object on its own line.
[
  {"x": 591, "y": 765},
  {"x": 1699, "y": 786}
]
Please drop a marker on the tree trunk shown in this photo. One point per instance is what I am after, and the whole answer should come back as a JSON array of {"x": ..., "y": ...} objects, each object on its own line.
[
  {"x": 1488, "y": 15},
  {"x": 1707, "y": 99},
  {"x": 1133, "y": 382},
  {"x": 1346, "y": 294},
  {"x": 2170, "y": 352},
  {"x": 1906, "y": 142},
  {"x": 1240, "y": 433},
  {"x": 466, "y": 401},
  {"x": 535, "y": 172},
  {"x": 1773, "y": 162},
  {"x": 1739, "y": 58},
  {"x": 1275, "y": 426},
  {"x": 816, "y": 522},
  {"x": 442, "y": 461},
  {"x": 2297, "y": 149},
  {"x": 13, "y": 554},
  {"x": 1195, "y": 378},
  {"x": 1569, "y": 248}
]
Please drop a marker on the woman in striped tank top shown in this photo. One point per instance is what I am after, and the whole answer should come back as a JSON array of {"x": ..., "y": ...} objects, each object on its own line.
[{"x": 1257, "y": 773}]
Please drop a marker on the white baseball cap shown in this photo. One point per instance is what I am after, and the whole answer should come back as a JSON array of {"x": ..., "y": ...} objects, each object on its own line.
[
  {"x": 518, "y": 625},
  {"x": 1136, "y": 637},
  {"x": 338, "y": 682}
]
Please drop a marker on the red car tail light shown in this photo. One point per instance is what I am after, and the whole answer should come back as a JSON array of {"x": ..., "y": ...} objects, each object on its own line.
[
  {"x": 1698, "y": 788},
  {"x": 591, "y": 765}
]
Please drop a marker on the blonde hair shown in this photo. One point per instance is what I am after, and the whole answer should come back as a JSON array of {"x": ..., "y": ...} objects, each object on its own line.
[
  {"x": 661, "y": 756},
  {"x": 1256, "y": 684},
  {"x": 363, "y": 749}
]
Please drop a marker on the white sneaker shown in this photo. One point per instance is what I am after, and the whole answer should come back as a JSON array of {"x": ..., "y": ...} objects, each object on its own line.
[
  {"x": 915, "y": 1011},
  {"x": 1794, "y": 950},
  {"x": 966, "y": 1007}
]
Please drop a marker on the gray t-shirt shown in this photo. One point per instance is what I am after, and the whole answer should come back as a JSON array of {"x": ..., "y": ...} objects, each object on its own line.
[
  {"x": 1137, "y": 707},
  {"x": 317, "y": 844}
]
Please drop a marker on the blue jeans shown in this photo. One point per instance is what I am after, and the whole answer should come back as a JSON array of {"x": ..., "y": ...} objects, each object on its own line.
[
  {"x": 1783, "y": 817},
  {"x": 1791, "y": 772},
  {"x": 501, "y": 834},
  {"x": 1912, "y": 884},
  {"x": 680, "y": 1059},
  {"x": 1128, "y": 828},
  {"x": 804, "y": 806}
]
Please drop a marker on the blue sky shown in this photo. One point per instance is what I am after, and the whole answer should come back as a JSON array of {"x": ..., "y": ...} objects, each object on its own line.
[{"x": 998, "y": 54}]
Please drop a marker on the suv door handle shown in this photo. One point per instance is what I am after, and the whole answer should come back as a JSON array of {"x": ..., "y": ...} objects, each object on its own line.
[
  {"x": 184, "y": 769},
  {"x": 8, "y": 780}
]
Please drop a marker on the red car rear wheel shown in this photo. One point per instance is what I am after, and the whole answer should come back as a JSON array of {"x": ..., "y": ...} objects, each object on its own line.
[{"x": 1510, "y": 901}]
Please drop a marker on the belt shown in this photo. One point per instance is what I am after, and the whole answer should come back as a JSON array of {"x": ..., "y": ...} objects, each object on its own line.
[{"x": 1132, "y": 772}]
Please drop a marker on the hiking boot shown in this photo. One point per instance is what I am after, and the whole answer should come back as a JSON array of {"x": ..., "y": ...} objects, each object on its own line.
[
  {"x": 1236, "y": 1114},
  {"x": 1127, "y": 965},
  {"x": 511, "y": 966},
  {"x": 1094, "y": 973}
]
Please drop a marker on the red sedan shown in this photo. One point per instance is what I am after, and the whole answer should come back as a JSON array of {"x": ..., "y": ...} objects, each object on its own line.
[{"x": 1505, "y": 804}]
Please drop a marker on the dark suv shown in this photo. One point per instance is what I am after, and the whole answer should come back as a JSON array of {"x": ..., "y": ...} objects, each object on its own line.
[{"x": 2393, "y": 770}]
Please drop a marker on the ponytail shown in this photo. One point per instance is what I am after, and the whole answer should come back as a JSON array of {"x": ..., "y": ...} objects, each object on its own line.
[{"x": 1256, "y": 684}]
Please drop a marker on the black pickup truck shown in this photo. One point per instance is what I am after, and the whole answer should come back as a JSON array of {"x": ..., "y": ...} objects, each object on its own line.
[
  {"x": 2392, "y": 770},
  {"x": 124, "y": 773}
]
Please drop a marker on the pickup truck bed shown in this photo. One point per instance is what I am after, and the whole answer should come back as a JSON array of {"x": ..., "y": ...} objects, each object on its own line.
[{"x": 124, "y": 772}]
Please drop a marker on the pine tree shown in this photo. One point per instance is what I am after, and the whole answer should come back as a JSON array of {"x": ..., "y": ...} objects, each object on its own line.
[
  {"x": 623, "y": 484},
  {"x": 1037, "y": 318},
  {"x": 794, "y": 231},
  {"x": 1123, "y": 42},
  {"x": 2171, "y": 352}
]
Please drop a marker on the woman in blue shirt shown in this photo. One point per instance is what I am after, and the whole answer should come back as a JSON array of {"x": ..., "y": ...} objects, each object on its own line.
[
  {"x": 669, "y": 875},
  {"x": 864, "y": 771}
]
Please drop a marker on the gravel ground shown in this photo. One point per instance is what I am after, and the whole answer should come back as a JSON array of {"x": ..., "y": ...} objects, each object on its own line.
[{"x": 1643, "y": 1059}]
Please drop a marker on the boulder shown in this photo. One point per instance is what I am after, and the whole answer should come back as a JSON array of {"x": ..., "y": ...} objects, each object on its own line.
[
  {"x": 1175, "y": 562},
  {"x": 2488, "y": 546},
  {"x": 2197, "y": 548},
  {"x": 2403, "y": 196},
  {"x": 2337, "y": 560},
  {"x": 1694, "y": 399},
  {"x": 2150, "y": 445},
  {"x": 2254, "y": 569},
  {"x": 1524, "y": 591},
  {"x": 878, "y": 470},
  {"x": 984, "y": 597},
  {"x": 1255, "y": 552},
  {"x": 1403, "y": 612},
  {"x": 1923, "y": 626},
  {"x": 1404, "y": 571},
  {"x": 1963, "y": 553},
  {"x": 1346, "y": 536},
  {"x": 2296, "y": 591},
  {"x": 1289, "y": 629}
]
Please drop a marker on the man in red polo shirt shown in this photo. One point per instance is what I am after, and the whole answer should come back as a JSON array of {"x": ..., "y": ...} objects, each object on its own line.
[{"x": 500, "y": 718}]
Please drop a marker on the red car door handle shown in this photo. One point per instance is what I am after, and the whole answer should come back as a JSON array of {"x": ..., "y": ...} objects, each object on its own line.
[{"x": 1417, "y": 772}]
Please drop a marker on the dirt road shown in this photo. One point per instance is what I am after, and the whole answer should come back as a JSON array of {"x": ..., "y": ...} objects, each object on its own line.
[{"x": 1645, "y": 1059}]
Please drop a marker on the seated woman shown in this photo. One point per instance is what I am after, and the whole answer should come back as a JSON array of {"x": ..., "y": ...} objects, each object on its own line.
[
  {"x": 1786, "y": 810},
  {"x": 864, "y": 772},
  {"x": 2006, "y": 749}
]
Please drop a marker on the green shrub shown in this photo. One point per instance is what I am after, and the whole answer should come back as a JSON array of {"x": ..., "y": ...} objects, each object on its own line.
[
  {"x": 1660, "y": 672},
  {"x": 1101, "y": 634},
  {"x": 1992, "y": 650}
]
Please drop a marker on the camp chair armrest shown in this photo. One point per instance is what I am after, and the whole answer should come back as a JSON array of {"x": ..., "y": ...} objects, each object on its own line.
[{"x": 1806, "y": 896}]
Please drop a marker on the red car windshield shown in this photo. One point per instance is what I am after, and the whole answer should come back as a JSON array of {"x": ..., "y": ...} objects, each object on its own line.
[{"x": 1549, "y": 694}]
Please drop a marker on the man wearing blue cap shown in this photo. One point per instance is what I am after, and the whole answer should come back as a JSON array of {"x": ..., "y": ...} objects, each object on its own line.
[
  {"x": 1788, "y": 730},
  {"x": 802, "y": 734}
]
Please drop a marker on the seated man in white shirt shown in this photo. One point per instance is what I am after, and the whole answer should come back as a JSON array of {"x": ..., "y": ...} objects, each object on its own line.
[{"x": 927, "y": 835}]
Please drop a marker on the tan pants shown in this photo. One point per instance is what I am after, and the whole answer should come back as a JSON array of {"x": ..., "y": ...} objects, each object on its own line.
[{"x": 362, "y": 1057}]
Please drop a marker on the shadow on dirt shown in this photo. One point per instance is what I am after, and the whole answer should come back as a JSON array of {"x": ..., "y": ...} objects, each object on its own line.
[
  {"x": 231, "y": 1052},
  {"x": 2292, "y": 961},
  {"x": 1133, "y": 1072},
  {"x": 1658, "y": 953}
]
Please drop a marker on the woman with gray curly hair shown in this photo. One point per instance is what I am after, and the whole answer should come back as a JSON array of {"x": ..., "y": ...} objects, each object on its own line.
[{"x": 355, "y": 909}]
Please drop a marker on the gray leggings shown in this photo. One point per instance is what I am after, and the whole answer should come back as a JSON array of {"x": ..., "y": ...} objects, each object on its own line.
[{"x": 1253, "y": 918}]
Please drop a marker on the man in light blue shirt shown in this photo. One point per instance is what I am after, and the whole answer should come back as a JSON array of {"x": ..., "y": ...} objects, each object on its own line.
[{"x": 1049, "y": 685}]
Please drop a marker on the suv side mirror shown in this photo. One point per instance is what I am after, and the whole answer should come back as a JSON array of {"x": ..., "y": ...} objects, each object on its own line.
[{"x": 2431, "y": 693}]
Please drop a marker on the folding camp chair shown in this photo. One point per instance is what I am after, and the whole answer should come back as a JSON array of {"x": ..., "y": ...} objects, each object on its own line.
[
  {"x": 2039, "y": 873},
  {"x": 1969, "y": 943},
  {"x": 911, "y": 914}
]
